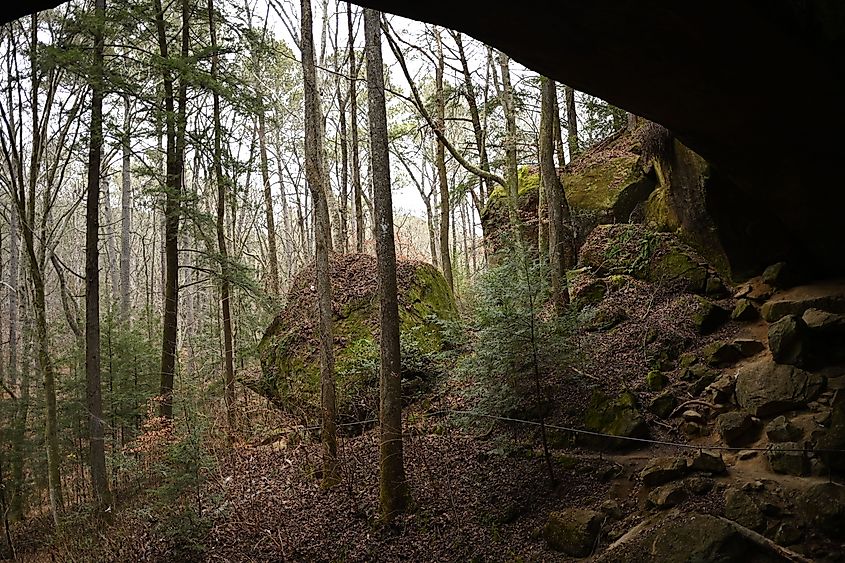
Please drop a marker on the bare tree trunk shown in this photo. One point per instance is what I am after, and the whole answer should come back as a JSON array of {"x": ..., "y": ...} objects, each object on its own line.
[
  {"x": 316, "y": 178},
  {"x": 220, "y": 181},
  {"x": 558, "y": 132},
  {"x": 445, "y": 251},
  {"x": 475, "y": 116},
  {"x": 511, "y": 172},
  {"x": 353, "y": 125},
  {"x": 175, "y": 126},
  {"x": 561, "y": 246},
  {"x": 571, "y": 122},
  {"x": 393, "y": 488},
  {"x": 111, "y": 251},
  {"x": 273, "y": 257},
  {"x": 344, "y": 173},
  {"x": 125, "y": 214},
  {"x": 99, "y": 479}
]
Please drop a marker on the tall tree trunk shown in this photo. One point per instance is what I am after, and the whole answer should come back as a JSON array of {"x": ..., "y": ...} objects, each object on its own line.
[
  {"x": 571, "y": 122},
  {"x": 445, "y": 251},
  {"x": 561, "y": 158},
  {"x": 357, "y": 192},
  {"x": 273, "y": 258},
  {"x": 175, "y": 127},
  {"x": 511, "y": 172},
  {"x": 99, "y": 479},
  {"x": 344, "y": 172},
  {"x": 561, "y": 247},
  {"x": 322, "y": 234},
  {"x": 220, "y": 181},
  {"x": 393, "y": 487},
  {"x": 125, "y": 213}
]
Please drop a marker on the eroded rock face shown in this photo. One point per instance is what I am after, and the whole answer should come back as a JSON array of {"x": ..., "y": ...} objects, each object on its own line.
[
  {"x": 289, "y": 355},
  {"x": 766, "y": 389}
]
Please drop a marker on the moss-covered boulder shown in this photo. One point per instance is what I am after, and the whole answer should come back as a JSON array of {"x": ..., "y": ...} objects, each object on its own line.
[
  {"x": 645, "y": 254},
  {"x": 573, "y": 531},
  {"x": 495, "y": 217},
  {"x": 619, "y": 416},
  {"x": 289, "y": 350}
]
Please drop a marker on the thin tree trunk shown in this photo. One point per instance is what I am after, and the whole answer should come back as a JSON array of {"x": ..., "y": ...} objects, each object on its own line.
[
  {"x": 393, "y": 488},
  {"x": 220, "y": 181},
  {"x": 357, "y": 192},
  {"x": 316, "y": 178},
  {"x": 445, "y": 251},
  {"x": 475, "y": 116},
  {"x": 125, "y": 214},
  {"x": 561, "y": 246},
  {"x": 571, "y": 122},
  {"x": 273, "y": 258},
  {"x": 344, "y": 172},
  {"x": 511, "y": 172},
  {"x": 99, "y": 479}
]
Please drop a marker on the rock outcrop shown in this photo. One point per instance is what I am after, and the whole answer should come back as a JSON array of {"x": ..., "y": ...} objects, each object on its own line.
[{"x": 288, "y": 350}]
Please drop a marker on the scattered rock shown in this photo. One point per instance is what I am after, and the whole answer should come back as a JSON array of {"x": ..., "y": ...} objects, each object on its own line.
[
  {"x": 722, "y": 390},
  {"x": 747, "y": 454},
  {"x": 694, "y": 416},
  {"x": 611, "y": 509},
  {"x": 708, "y": 462},
  {"x": 819, "y": 320},
  {"x": 766, "y": 389},
  {"x": 823, "y": 507},
  {"x": 573, "y": 531},
  {"x": 714, "y": 286},
  {"x": 667, "y": 496},
  {"x": 834, "y": 437},
  {"x": 661, "y": 470},
  {"x": 617, "y": 417},
  {"x": 663, "y": 405},
  {"x": 602, "y": 318},
  {"x": 656, "y": 380},
  {"x": 776, "y": 309},
  {"x": 745, "y": 311},
  {"x": 787, "y": 340},
  {"x": 700, "y": 485},
  {"x": 585, "y": 288},
  {"x": 720, "y": 354},
  {"x": 754, "y": 290},
  {"x": 741, "y": 508},
  {"x": 693, "y": 429},
  {"x": 788, "y": 458},
  {"x": 701, "y": 377},
  {"x": 779, "y": 275},
  {"x": 782, "y": 430},
  {"x": 736, "y": 428},
  {"x": 708, "y": 316}
]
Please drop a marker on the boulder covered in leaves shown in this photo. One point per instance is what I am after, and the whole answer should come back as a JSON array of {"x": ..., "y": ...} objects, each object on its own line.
[{"x": 289, "y": 350}]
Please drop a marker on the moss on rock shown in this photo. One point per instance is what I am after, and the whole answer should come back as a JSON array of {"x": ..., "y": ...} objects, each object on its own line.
[{"x": 289, "y": 350}]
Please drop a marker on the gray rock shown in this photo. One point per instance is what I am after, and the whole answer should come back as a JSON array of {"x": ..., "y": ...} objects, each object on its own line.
[
  {"x": 782, "y": 430},
  {"x": 787, "y": 534},
  {"x": 700, "y": 485},
  {"x": 749, "y": 347},
  {"x": 611, "y": 509},
  {"x": 700, "y": 538},
  {"x": 745, "y": 311},
  {"x": 708, "y": 462},
  {"x": 736, "y": 428},
  {"x": 661, "y": 470},
  {"x": 788, "y": 458},
  {"x": 740, "y": 506},
  {"x": 747, "y": 454},
  {"x": 779, "y": 275},
  {"x": 766, "y": 389},
  {"x": 663, "y": 405},
  {"x": 777, "y": 309},
  {"x": 721, "y": 354},
  {"x": 708, "y": 316},
  {"x": 823, "y": 507},
  {"x": 667, "y": 496},
  {"x": 787, "y": 340},
  {"x": 816, "y": 319},
  {"x": 693, "y": 416},
  {"x": 573, "y": 531},
  {"x": 722, "y": 390}
]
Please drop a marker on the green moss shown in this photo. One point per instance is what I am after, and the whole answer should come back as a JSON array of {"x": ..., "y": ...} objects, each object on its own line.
[
  {"x": 618, "y": 416},
  {"x": 656, "y": 380},
  {"x": 598, "y": 187},
  {"x": 290, "y": 359}
]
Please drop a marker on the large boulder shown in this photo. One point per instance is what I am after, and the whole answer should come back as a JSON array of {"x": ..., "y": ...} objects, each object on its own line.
[
  {"x": 766, "y": 389},
  {"x": 661, "y": 470},
  {"x": 823, "y": 507},
  {"x": 289, "y": 354},
  {"x": 619, "y": 416},
  {"x": 787, "y": 338},
  {"x": 573, "y": 531},
  {"x": 736, "y": 428},
  {"x": 495, "y": 216},
  {"x": 788, "y": 458}
]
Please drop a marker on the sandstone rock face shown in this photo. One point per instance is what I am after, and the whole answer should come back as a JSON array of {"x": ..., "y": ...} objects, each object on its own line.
[
  {"x": 766, "y": 389},
  {"x": 289, "y": 357},
  {"x": 573, "y": 531}
]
